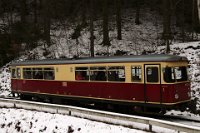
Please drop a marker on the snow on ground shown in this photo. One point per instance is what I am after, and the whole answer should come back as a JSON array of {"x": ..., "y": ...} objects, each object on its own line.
[
  {"x": 18, "y": 120},
  {"x": 185, "y": 114},
  {"x": 4, "y": 81}
]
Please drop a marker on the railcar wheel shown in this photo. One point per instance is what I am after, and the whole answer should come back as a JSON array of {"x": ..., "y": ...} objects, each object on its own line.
[{"x": 13, "y": 94}]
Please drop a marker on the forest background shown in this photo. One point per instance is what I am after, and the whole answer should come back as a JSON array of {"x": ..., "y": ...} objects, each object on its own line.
[{"x": 27, "y": 24}]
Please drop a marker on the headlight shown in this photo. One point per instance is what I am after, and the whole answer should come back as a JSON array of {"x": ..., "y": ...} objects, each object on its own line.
[{"x": 176, "y": 96}]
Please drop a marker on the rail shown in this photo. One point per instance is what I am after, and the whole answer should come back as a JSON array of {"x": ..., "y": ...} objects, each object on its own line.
[{"x": 101, "y": 116}]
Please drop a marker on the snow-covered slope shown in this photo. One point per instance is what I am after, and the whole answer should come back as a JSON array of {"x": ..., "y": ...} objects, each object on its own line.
[
  {"x": 4, "y": 81},
  {"x": 190, "y": 50},
  {"x": 12, "y": 121}
]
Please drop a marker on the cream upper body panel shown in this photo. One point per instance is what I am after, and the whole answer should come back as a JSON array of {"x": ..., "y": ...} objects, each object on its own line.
[{"x": 66, "y": 72}]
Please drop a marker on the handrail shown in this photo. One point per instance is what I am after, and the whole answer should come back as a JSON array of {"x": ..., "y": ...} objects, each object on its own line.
[{"x": 101, "y": 116}]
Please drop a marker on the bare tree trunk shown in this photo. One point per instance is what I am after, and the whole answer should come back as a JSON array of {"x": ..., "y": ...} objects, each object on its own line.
[
  {"x": 106, "y": 41},
  {"x": 195, "y": 18},
  {"x": 47, "y": 23},
  {"x": 35, "y": 12},
  {"x": 183, "y": 21},
  {"x": 35, "y": 23},
  {"x": 166, "y": 24},
  {"x": 198, "y": 6},
  {"x": 137, "y": 16},
  {"x": 119, "y": 27},
  {"x": 92, "y": 28},
  {"x": 23, "y": 11},
  {"x": 77, "y": 49},
  {"x": 84, "y": 12}
]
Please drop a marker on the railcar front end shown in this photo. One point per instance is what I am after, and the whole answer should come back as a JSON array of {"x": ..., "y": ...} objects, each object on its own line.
[{"x": 177, "y": 85}]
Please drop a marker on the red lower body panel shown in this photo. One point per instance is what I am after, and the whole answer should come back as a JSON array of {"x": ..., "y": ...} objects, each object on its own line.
[{"x": 130, "y": 92}]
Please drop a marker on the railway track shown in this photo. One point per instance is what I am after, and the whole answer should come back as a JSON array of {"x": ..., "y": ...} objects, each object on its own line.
[{"x": 102, "y": 116}]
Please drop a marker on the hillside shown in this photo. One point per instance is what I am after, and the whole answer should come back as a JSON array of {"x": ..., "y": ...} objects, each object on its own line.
[
  {"x": 190, "y": 50},
  {"x": 135, "y": 40}
]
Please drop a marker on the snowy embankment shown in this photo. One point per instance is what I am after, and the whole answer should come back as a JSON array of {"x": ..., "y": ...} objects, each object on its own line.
[
  {"x": 4, "y": 81},
  {"x": 12, "y": 120},
  {"x": 131, "y": 121},
  {"x": 18, "y": 120},
  {"x": 189, "y": 50}
]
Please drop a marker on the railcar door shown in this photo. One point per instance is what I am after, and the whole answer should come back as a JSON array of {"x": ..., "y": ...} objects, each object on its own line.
[{"x": 152, "y": 84}]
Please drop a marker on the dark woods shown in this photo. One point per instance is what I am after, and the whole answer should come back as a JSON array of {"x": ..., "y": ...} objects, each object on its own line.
[{"x": 24, "y": 23}]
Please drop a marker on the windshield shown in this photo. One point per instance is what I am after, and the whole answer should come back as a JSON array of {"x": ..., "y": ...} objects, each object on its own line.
[{"x": 175, "y": 74}]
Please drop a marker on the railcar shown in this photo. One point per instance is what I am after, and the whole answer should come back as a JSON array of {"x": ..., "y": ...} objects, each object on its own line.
[{"x": 141, "y": 83}]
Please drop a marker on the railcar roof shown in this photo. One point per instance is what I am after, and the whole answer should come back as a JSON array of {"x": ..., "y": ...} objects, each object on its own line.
[{"x": 113, "y": 59}]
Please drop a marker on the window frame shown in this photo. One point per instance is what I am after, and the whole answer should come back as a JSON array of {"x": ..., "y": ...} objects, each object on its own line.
[
  {"x": 116, "y": 69},
  {"x": 14, "y": 75},
  {"x": 158, "y": 74},
  {"x": 92, "y": 69},
  {"x": 175, "y": 74},
  {"x": 86, "y": 70},
  {"x": 137, "y": 66},
  {"x": 172, "y": 73},
  {"x": 37, "y": 69},
  {"x": 96, "y": 70},
  {"x": 186, "y": 73},
  {"x": 51, "y": 70},
  {"x": 27, "y": 71}
]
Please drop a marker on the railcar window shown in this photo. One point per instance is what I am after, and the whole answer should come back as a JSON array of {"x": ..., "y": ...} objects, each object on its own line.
[
  {"x": 136, "y": 73},
  {"x": 49, "y": 74},
  {"x": 116, "y": 73},
  {"x": 37, "y": 73},
  {"x": 27, "y": 73},
  {"x": 152, "y": 74},
  {"x": 81, "y": 73},
  {"x": 14, "y": 73},
  {"x": 175, "y": 74},
  {"x": 169, "y": 75},
  {"x": 181, "y": 73},
  {"x": 98, "y": 74}
]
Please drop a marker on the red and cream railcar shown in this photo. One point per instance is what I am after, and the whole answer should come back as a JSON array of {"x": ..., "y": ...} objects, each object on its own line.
[{"x": 136, "y": 81}]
